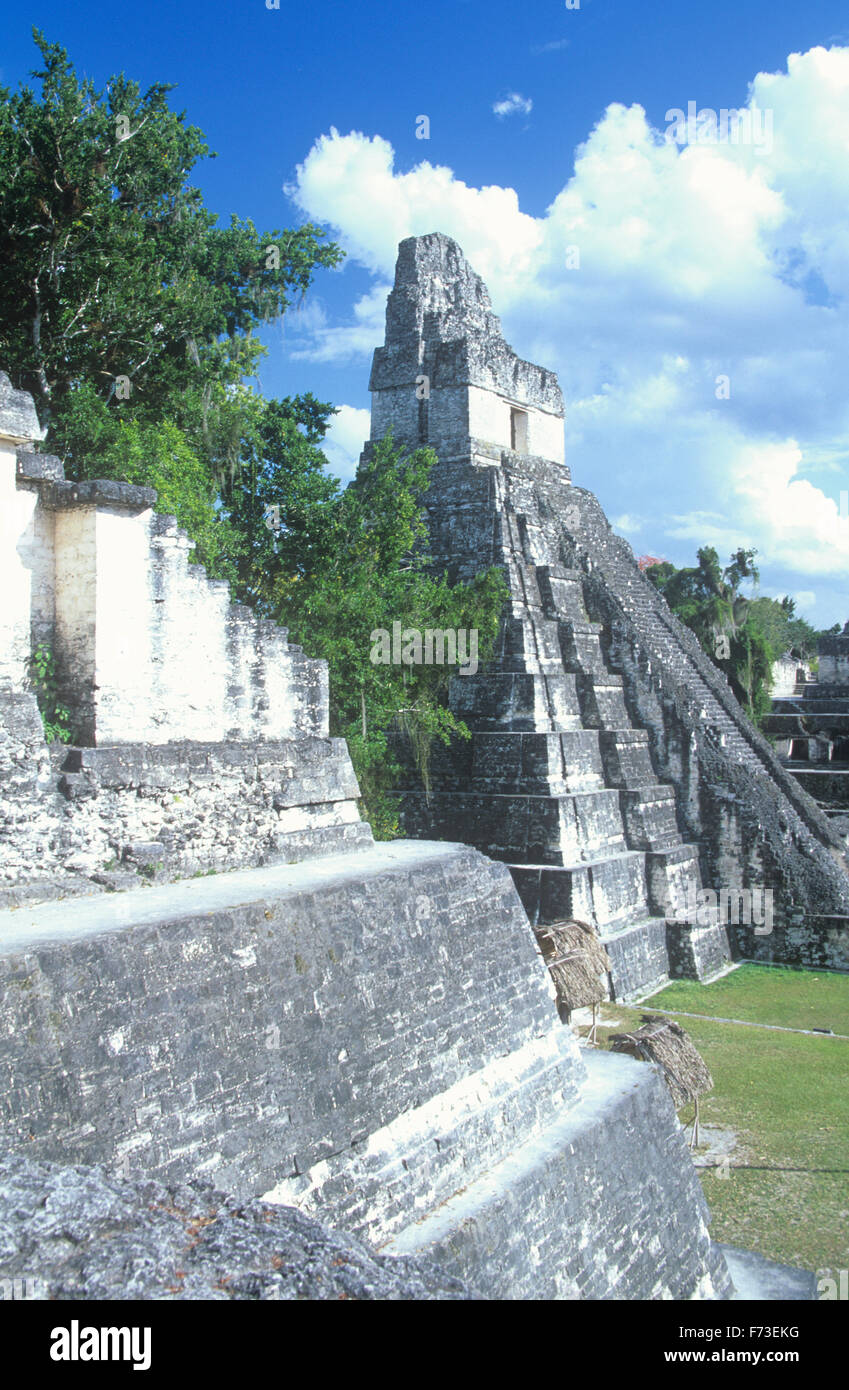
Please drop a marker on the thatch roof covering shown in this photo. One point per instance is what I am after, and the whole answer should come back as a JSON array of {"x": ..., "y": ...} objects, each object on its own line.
[
  {"x": 577, "y": 962},
  {"x": 664, "y": 1042}
]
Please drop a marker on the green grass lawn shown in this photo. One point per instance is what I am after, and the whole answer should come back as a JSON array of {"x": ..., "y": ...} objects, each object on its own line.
[
  {"x": 766, "y": 994},
  {"x": 786, "y": 1098}
]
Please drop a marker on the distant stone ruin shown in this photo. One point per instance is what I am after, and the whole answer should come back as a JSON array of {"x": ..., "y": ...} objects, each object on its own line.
[
  {"x": 610, "y": 765},
  {"x": 810, "y": 725},
  {"x": 789, "y": 675}
]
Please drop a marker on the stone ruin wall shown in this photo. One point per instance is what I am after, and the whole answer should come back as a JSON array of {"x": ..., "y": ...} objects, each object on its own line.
[
  {"x": 834, "y": 661},
  {"x": 444, "y": 375},
  {"x": 371, "y": 1038},
  {"x": 754, "y": 826},
  {"x": 201, "y": 732},
  {"x": 809, "y": 726},
  {"x": 148, "y": 649},
  {"x": 788, "y": 676}
]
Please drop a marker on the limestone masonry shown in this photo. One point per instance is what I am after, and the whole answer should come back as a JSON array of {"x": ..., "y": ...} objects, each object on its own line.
[
  {"x": 364, "y": 1032},
  {"x": 203, "y": 732},
  {"x": 370, "y": 1037},
  {"x": 610, "y": 765},
  {"x": 810, "y": 723}
]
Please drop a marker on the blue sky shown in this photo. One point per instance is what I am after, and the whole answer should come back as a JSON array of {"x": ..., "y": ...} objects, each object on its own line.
[{"x": 696, "y": 261}]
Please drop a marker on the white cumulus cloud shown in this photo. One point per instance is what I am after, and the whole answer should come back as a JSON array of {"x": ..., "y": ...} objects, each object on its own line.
[
  {"x": 700, "y": 333},
  {"x": 316, "y": 340}
]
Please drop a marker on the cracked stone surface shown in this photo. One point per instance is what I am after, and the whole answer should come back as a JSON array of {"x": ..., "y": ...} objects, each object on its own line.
[{"x": 79, "y": 1233}]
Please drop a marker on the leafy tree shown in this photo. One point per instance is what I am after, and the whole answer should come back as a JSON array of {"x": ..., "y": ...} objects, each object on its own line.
[
  {"x": 749, "y": 670},
  {"x": 131, "y": 316},
  {"x": 116, "y": 278},
  {"x": 777, "y": 621},
  {"x": 282, "y": 504},
  {"x": 707, "y": 598},
  {"x": 375, "y": 573},
  {"x": 744, "y": 637},
  {"x": 109, "y": 445}
]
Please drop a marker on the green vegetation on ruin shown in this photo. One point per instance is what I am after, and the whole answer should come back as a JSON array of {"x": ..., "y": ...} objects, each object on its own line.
[{"x": 742, "y": 636}]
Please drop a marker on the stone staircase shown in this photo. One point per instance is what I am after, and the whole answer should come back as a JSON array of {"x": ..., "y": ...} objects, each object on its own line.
[
  {"x": 640, "y": 631},
  {"x": 557, "y": 780},
  {"x": 672, "y": 647},
  {"x": 648, "y": 620}
]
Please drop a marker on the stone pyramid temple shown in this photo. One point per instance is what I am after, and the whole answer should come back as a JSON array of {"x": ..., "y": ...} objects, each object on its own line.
[
  {"x": 209, "y": 972},
  {"x": 610, "y": 765}
]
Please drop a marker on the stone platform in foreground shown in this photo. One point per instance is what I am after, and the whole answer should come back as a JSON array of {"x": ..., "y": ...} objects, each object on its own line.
[
  {"x": 568, "y": 1173},
  {"x": 759, "y": 1280},
  {"x": 371, "y": 1037}
]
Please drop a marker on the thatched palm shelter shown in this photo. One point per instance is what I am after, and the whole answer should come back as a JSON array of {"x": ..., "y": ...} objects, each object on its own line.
[
  {"x": 664, "y": 1042},
  {"x": 578, "y": 964}
]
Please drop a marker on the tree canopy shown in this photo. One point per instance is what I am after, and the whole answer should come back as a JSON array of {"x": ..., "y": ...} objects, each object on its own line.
[
  {"x": 743, "y": 636},
  {"x": 113, "y": 267},
  {"x": 376, "y": 573},
  {"x": 133, "y": 318},
  {"x": 125, "y": 309}
]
